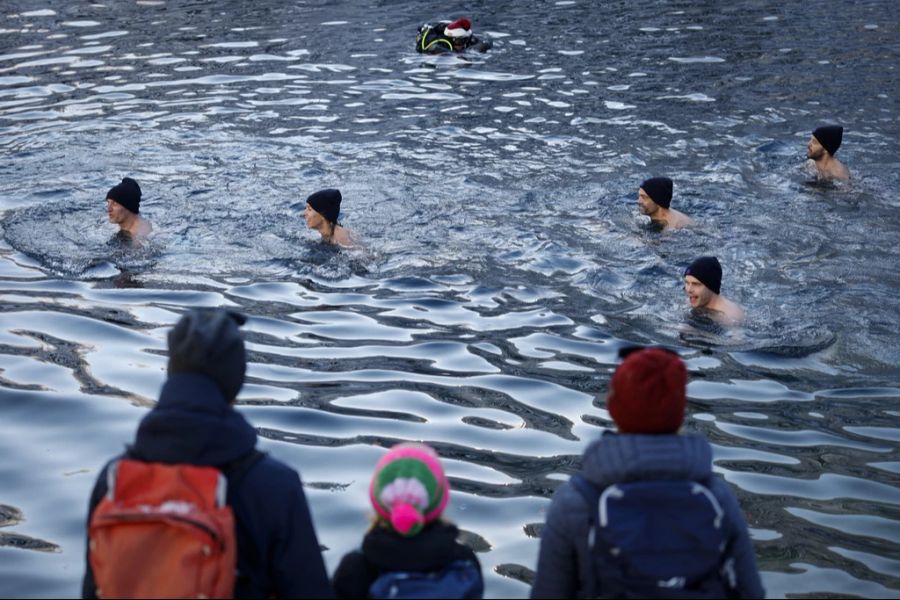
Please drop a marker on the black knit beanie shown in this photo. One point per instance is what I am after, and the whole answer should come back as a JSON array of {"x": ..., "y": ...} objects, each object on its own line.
[
  {"x": 207, "y": 341},
  {"x": 327, "y": 203},
  {"x": 830, "y": 137},
  {"x": 128, "y": 194},
  {"x": 708, "y": 270},
  {"x": 659, "y": 189}
]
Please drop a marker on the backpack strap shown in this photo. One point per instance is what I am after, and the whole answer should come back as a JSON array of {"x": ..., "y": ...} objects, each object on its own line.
[
  {"x": 589, "y": 492},
  {"x": 235, "y": 470}
]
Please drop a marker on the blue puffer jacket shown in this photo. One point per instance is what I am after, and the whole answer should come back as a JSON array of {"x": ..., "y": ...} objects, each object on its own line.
[
  {"x": 278, "y": 552},
  {"x": 564, "y": 565}
]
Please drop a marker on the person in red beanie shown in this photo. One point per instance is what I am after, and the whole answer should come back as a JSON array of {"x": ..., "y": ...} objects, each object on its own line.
[{"x": 646, "y": 516}]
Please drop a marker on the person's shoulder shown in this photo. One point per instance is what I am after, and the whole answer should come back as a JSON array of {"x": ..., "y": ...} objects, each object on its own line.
[
  {"x": 270, "y": 471},
  {"x": 568, "y": 507},
  {"x": 144, "y": 227},
  {"x": 682, "y": 220},
  {"x": 734, "y": 311},
  {"x": 726, "y": 498},
  {"x": 345, "y": 238},
  {"x": 841, "y": 171}
]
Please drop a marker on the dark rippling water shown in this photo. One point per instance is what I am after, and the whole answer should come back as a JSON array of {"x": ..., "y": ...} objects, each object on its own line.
[{"x": 504, "y": 261}]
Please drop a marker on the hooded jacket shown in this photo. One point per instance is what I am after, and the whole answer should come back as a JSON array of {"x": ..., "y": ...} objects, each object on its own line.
[
  {"x": 564, "y": 568},
  {"x": 384, "y": 550},
  {"x": 278, "y": 552}
]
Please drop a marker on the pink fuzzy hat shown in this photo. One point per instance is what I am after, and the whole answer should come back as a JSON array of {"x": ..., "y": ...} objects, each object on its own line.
[{"x": 409, "y": 488}]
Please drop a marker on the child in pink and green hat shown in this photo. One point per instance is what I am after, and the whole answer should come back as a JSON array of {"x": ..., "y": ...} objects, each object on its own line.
[{"x": 409, "y": 545}]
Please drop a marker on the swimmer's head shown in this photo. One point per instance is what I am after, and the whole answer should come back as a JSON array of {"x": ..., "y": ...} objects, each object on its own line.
[
  {"x": 656, "y": 191},
  {"x": 702, "y": 281},
  {"x": 828, "y": 137},
  {"x": 327, "y": 203},
  {"x": 127, "y": 194}
]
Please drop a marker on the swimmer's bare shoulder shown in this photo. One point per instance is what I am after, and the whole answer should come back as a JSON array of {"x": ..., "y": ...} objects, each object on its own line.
[
  {"x": 344, "y": 238},
  {"x": 731, "y": 313},
  {"x": 679, "y": 220}
]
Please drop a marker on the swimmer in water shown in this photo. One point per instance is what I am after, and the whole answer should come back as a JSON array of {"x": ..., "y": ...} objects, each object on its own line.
[
  {"x": 823, "y": 144},
  {"x": 123, "y": 206},
  {"x": 654, "y": 198},
  {"x": 322, "y": 210},
  {"x": 702, "y": 283},
  {"x": 447, "y": 36}
]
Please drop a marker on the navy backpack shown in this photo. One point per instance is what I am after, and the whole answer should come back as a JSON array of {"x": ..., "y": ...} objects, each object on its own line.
[
  {"x": 459, "y": 579},
  {"x": 657, "y": 539}
]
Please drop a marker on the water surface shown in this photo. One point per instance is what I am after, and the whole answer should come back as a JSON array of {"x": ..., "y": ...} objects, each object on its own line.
[{"x": 504, "y": 262}]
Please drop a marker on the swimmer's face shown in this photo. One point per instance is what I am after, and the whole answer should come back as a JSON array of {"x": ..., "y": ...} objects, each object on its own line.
[
  {"x": 313, "y": 219},
  {"x": 814, "y": 149},
  {"x": 116, "y": 212},
  {"x": 646, "y": 205},
  {"x": 698, "y": 294}
]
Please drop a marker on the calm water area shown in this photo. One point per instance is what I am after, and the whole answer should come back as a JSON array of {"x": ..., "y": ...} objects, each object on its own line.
[{"x": 504, "y": 261}]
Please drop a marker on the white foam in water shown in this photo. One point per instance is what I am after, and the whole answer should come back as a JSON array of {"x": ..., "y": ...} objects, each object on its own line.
[
  {"x": 690, "y": 97},
  {"x": 80, "y": 23},
  {"x": 697, "y": 59}
]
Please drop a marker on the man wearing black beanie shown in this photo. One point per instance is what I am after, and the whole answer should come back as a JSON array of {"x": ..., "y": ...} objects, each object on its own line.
[
  {"x": 321, "y": 214},
  {"x": 123, "y": 207},
  {"x": 654, "y": 200},
  {"x": 823, "y": 144},
  {"x": 703, "y": 284}
]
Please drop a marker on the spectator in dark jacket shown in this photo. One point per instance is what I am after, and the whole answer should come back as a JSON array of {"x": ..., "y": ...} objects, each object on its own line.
[
  {"x": 646, "y": 399},
  {"x": 194, "y": 422},
  {"x": 409, "y": 492}
]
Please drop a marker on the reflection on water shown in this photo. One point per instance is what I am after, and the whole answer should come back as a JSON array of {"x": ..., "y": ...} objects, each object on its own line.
[{"x": 503, "y": 264}]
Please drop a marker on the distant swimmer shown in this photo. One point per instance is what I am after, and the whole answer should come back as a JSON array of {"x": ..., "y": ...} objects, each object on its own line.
[
  {"x": 322, "y": 210},
  {"x": 449, "y": 36},
  {"x": 654, "y": 198},
  {"x": 822, "y": 146},
  {"x": 123, "y": 206},
  {"x": 702, "y": 284}
]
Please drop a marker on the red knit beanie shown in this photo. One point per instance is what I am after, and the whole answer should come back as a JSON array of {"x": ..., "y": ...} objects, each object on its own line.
[{"x": 647, "y": 393}]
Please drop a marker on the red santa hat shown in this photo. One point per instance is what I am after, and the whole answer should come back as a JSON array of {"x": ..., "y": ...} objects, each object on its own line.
[{"x": 459, "y": 28}]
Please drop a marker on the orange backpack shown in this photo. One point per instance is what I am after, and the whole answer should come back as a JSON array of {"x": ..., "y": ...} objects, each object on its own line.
[{"x": 163, "y": 531}]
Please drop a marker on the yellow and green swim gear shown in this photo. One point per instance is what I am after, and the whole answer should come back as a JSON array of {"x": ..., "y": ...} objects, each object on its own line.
[{"x": 429, "y": 39}]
